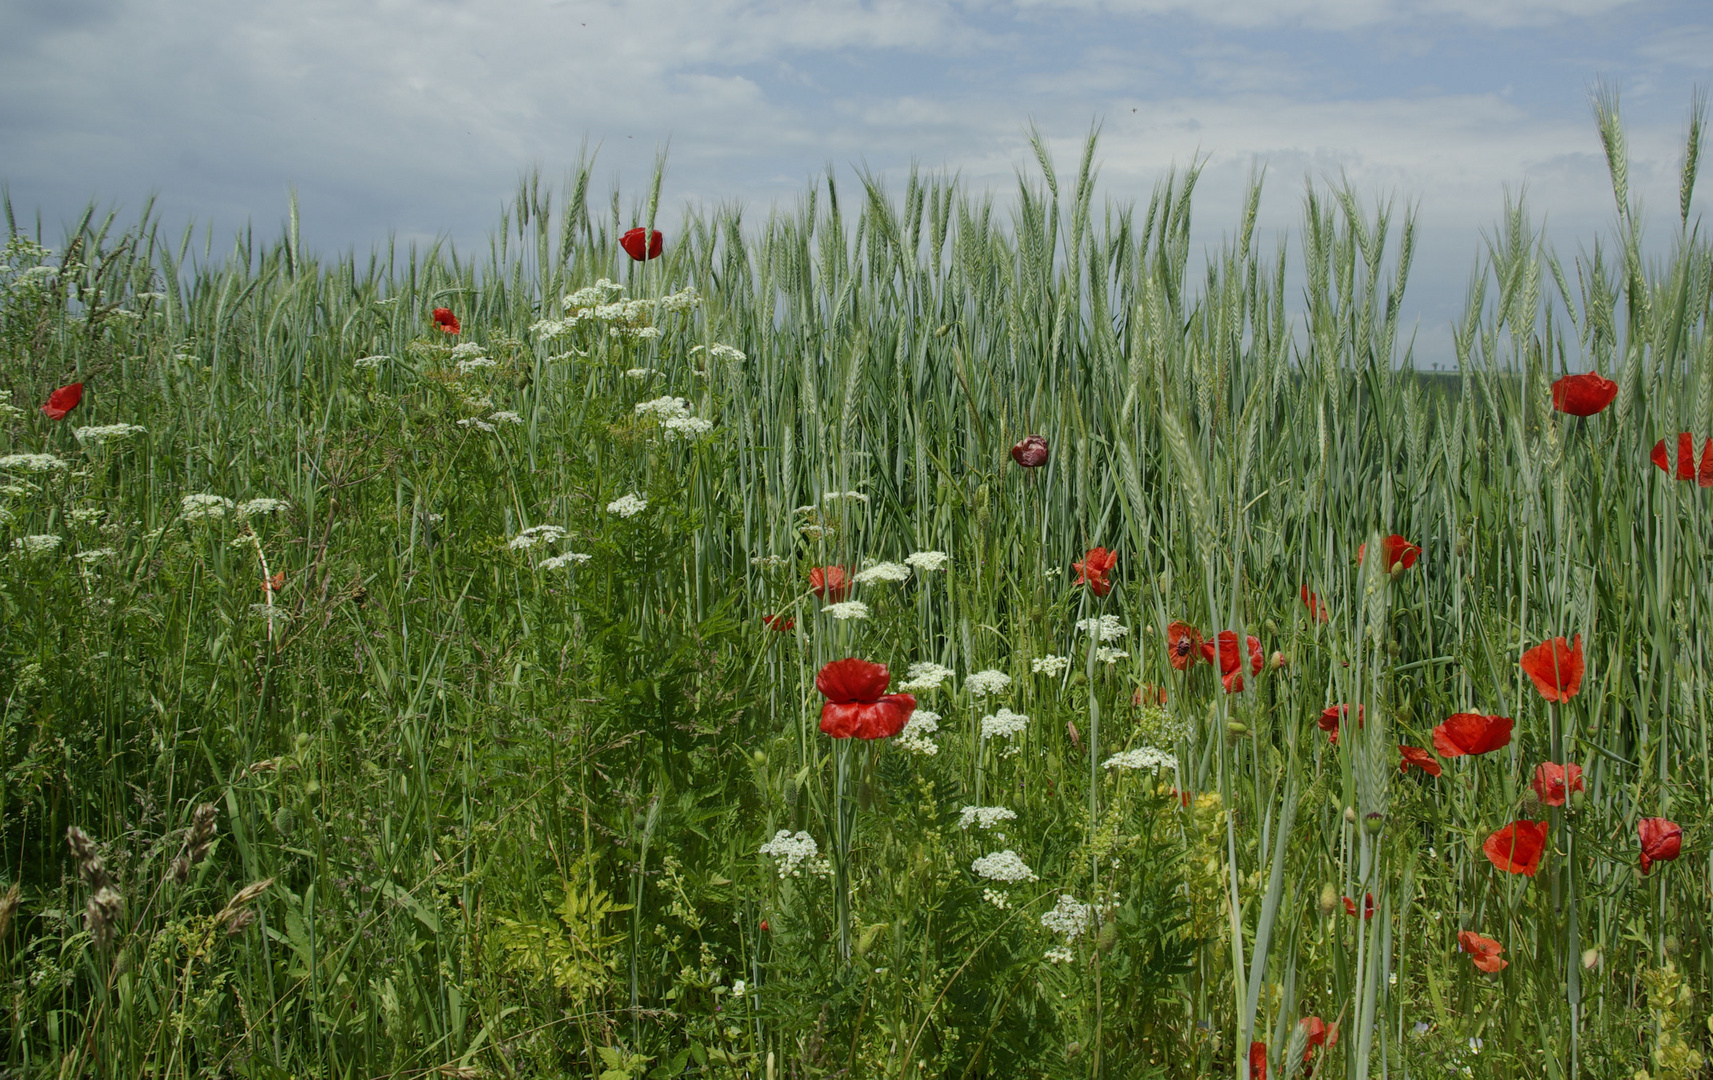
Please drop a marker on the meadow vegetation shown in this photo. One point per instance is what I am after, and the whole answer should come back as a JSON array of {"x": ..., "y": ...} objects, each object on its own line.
[{"x": 379, "y": 700}]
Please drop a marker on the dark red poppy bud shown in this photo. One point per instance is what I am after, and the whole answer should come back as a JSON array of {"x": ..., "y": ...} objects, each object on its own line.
[
  {"x": 1031, "y": 453},
  {"x": 641, "y": 249},
  {"x": 1662, "y": 840},
  {"x": 62, "y": 401}
]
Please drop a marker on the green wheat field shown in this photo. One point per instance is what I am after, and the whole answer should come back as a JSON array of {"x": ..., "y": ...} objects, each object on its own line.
[{"x": 378, "y": 700}]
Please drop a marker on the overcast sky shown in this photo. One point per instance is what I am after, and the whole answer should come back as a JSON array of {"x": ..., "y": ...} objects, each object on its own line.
[{"x": 416, "y": 117}]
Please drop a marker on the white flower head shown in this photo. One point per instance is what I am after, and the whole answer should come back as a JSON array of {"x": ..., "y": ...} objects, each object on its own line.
[
  {"x": 1003, "y": 866},
  {"x": 30, "y": 463},
  {"x": 537, "y": 534},
  {"x": 560, "y": 562},
  {"x": 984, "y": 683},
  {"x": 36, "y": 545},
  {"x": 664, "y": 408},
  {"x": 1108, "y": 655},
  {"x": 593, "y": 295},
  {"x": 640, "y": 373},
  {"x": 1050, "y": 665},
  {"x": 886, "y": 571},
  {"x": 984, "y": 817},
  {"x": 999, "y": 898},
  {"x": 835, "y": 496},
  {"x": 475, "y": 363},
  {"x": 1068, "y": 918},
  {"x": 726, "y": 353},
  {"x": 626, "y": 506},
  {"x": 203, "y": 506},
  {"x": 925, "y": 676},
  {"x": 474, "y": 424},
  {"x": 1002, "y": 724},
  {"x": 467, "y": 351},
  {"x": 846, "y": 609},
  {"x": 96, "y": 436},
  {"x": 1142, "y": 757},
  {"x": 687, "y": 427},
  {"x": 796, "y": 852},
  {"x": 1107, "y": 627},
  {"x": 916, "y": 736},
  {"x": 928, "y": 560},
  {"x": 261, "y": 507},
  {"x": 1060, "y": 955},
  {"x": 683, "y": 300},
  {"x": 86, "y": 515},
  {"x": 95, "y": 555},
  {"x": 370, "y": 363},
  {"x": 505, "y": 416}
]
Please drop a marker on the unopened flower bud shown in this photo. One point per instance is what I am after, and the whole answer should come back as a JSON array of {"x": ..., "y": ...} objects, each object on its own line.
[
  {"x": 1237, "y": 727},
  {"x": 759, "y": 758},
  {"x": 1328, "y": 899},
  {"x": 1278, "y": 659},
  {"x": 1590, "y": 958},
  {"x": 1397, "y": 570},
  {"x": 1374, "y": 823},
  {"x": 1271, "y": 626},
  {"x": 1350, "y": 815}
]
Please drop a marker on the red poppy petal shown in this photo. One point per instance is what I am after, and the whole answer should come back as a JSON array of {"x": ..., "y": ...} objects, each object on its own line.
[
  {"x": 852, "y": 680},
  {"x": 1471, "y": 733},
  {"x": 1685, "y": 456},
  {"x": 841, "y": 719},
  {"x": 1517, "y": 848},
  {"x": 1704, "y": 478},
  {"x": 1556, "y": 668},
  {"x": 886, "y": 717},
  {"x": 62, "y": 401},
  {"x": 1659, "y": 458}
]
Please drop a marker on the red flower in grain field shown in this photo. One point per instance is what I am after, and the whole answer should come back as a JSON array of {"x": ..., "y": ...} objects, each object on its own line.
[
  {"x": 1662, "y": 840},
  {"x": 1484, "y": 951},
  {"x": 1553, "y": 782},
  {"x": 1223, "y": 653},
  {"x": 779, "y": 623},
  {"x": 1331, "y": 715},
  {"x": 830, "y": 583},
  {"x": 1367, "y": 906},
  {"x": 857, "y": 702},
  {"x": 1686, "y": 468},
  {"x": 1257, "y": 1061},
  {"x": 1183, "y": 644},
  {"x": 634, "y": 244},
  {"x": 1421, "y": 759},
  {"x": 62, "y": 401},
  {"x": 1031, "y": 453},
  {"x": 447, "y": 321},
  {"x": 1583, "y": 395},
  {"x": 1471, "y": 733},
  {"x": 1517, "y": 848},
  {"x": 1320, "y": 1033},
  {"x": 1555, "y": 667},
  {"x": 1317, "y": 610},
  {"x": 1149, "y": 694},
  {"x": 1093, "y": 569},
  {"x": 1397, "y": 552}
]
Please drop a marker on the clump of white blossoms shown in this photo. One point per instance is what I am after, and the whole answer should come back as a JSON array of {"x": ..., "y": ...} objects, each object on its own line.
[
  {"x": 1068, "y": 918},
  {"x": 1060, "y": 955},
  {"x": 590, "y": 296},
  {"x": 475, "y": 424},
  {"x": 1143, "y": 757},
  {"x": 95, "y": 555},
  {"x": 1003, "y": 866},
  {"x": 505, "y": 416},
  {"x": 96, "y": 436},
  {"x": 723, "y": 352},
  {"x": 886, "y": 571},
  {"x": 86, "y": 515},
  {"x": 984, "y": 683},
  {"x": 664, "y": 408},
  {"x": 685, "y": 299},
  {"x": 628, "y": 505},
  {"x": 261, "y": 507},
  {"x": 984, "y": 817},
  {"x": 1002, "y": 724},
  {"x": 915, "y": 736},
  {"x": 560, "y": 562},
  {"x": 835, "y": 496},
  {"x": 928, "y": 560},
  {"x": 796, "y": 853},
  {"x": 925, "y": 676},
  {"x": 370, "y": 363},
  {"x": 847, "y": 609},
  {"x": 536, "y": 534},
  {"x": 467, "y": 350},
  {"x": 1109, "y": 655},
  {"x": 687, "y": 427},
  {"x": 640, "y": 373},
  {"x": 1050, "y": 665},
  {"x": 999, "y": 898},
  {"x": 36, "y": 545},
  {"x": 30, "y": 463},
  {"x": 1107, "y": 627},
  {"x": 203, "y": 506}
]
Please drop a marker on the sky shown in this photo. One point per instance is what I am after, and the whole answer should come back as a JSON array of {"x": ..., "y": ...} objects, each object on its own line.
[{"x": 416, "y": 118}]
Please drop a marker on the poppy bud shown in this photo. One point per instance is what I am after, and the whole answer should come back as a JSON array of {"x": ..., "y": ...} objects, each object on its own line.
[
  {"x": 1073, "y": 1049},
  {"x": 1031, "y": 452},
  {"x": 1398, "y": 570},
  {"x": 1350, "y": 815},
  {"x": 1328, "y": 899},
  {"x": 1237, "y": 727},
  {"x": 1530, "y": 807},
  {"x": 1578, "y": 799},
  {"x": 1590, "y": 958},
  {"x": 764, "y": 926},
  {"x": 1374, "y": 823},
  {"x": 1107, "y": 937},
  {"x": 1279, "y": 659},
  {"x": 1271, "y": 626},
  {"x": 1392, "y": 649},
  {"x": 759, "y": 758}
]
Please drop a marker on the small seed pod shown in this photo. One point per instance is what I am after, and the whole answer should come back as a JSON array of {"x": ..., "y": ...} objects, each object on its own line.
[{"x": 1328, "y": 899}]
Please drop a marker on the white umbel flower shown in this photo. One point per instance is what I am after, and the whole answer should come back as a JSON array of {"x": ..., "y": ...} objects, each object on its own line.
[
  {"x": 984, "y": 817},
  {"x": 262, "y": 506},
  {"x": 1107, "y": 627},
  {"x": 36, "y": 545},
  {"x": 664, "y": 408},
  {"x": 925, "y": 676},
  {"x": 505, "y": 416},
  {"x": 796, "y": 852},
  {"x": 1050, "y": 665},
  {"x": 537, "y": 534},
  {"x": 474, "y": 424},
  {"x": 1003, "y": 866},
  {"x": 1143, "y": 757},
  {"x": 726, "y": 353},
  {"x": 30, "y": 463},
  {"x": 835, "y": 496},
  {"x": 560, "y": 562},
  {"x": 96, "y": 436},
  {"x": 984, "y": 683},
  {"x": 1108, "y": 655},
  {"x": 886, "y": 571},
  {"x": 687, "y": 427},
  {"x": 199, "y": 507},
  {"x": 915, "y": 737},
  {"x": 640, "y": 373},
  {"x": 370, "y": 363},
  {"x": 1067, "y": 918},
  {"x": 847, "y": 609},
  {"x": 628, "y": 505},
  {"x": 928, "y": 560},
  {"x": 1002, "y": 724}
]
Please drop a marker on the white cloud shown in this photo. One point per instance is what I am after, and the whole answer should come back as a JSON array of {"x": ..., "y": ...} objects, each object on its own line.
[{"x": 1346, "y": 14}]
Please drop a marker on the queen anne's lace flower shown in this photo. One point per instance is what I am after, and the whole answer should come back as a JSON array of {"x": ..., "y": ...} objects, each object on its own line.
[
  {"x": 1143, "y": 757},
  {"x": 36, "y": 545},
  {"x": 835, "y": 496},
  {"x": 560, "y": 562},
  {"x": 1002, "y": 724},
  {"x": 983, "y": 683},
  {"x": 95, "y": 555},
  {"x": 726, "y": 353},
  {"x": 537, "y": 534},
  {"x": 1068, "y": 918},
  {"x": 847, "y": 609},
  {"x": 198, "y": 507},
  {"x": 683, "y": 300},
  {"x": 95, "y": 436},
  {"x": 928, "y": 560},
  {"x": 640, "y": 373},
  {"x": 628, "y": 505},
  {"x": 476, "y": 363},
  {"x": 467, "y": 351},
  {"x": 687, "y": 427},
  {"x": 474, "y": 424},
  {"x": 796, "y": 852},
  {"x": 1059, "y": 955},
  {"x": 1003, "y": 866},
  {"x": 915, "y": 736},
  {"x": 505, "y": 416},
  {"x": 593, "y": 295},
  {"x": 984, "y": 817},
  {"x": 1108, "y": 627},
  {"x": 1050, "y": 665},
  {"x": 886, "y": 571},
  {"x": 1108, "y": 655},
  {"x": 261, "y": 506},
  {"x": 924, "y": 676},
  {"x": 370, "y": 363},
  {"x": 30, "y": 463},
  {"x": 664, "y": 408}
]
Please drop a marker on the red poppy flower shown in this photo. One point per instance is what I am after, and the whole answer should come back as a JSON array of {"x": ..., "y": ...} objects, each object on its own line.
[
  {"x": 1093, "y": 569},
  {"x": 1397, "y": 551},
  {"x": 1421, "y": 759},
  {"x": 857, "y": 702},
  {"x": 275, "y": 583},
  {"x": 1517, "y": 848},
  {"x": 1330, "y": 716},
  {"x": 1686, "y": 468},
  {"x": 1662, "y": 840},
  {"x": 1317, "y": 610},
  {"x": 62, "y": 401},
  {"x": 1555, "y": 668},
  {"x": 1223, "y": 653},
  {"x": 1031, "y": 453},
  {"x": 1583, "y": 395},
  {"x": 1183, "y": 644},
  {"x": 1553, "y": 782},
  {"x": 633, "y": 242},
  {"x": 1483, "y": 950},
  {"x": 764, "y": 926},
  {"x": 1257, "y": 1061},
  {"x": 779, "y": 623},
  {"x": 1471, "y": 733},
  {"x": 830, "y": 583},
  {"x": 447, "y": 321},
  {"x": 1320, "y": 1033},
  {"x": 1367, "y": 906}
]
